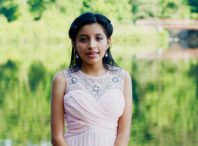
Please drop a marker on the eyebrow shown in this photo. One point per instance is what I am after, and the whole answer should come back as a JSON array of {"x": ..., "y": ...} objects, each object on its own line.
[{"x": 98, "y": 34}]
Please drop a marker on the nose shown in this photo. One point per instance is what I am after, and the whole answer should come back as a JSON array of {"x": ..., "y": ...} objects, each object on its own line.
[{"x": 92, "y": 44}]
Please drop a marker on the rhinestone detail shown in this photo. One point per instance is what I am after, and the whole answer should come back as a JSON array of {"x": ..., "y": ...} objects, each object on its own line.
[{"x": 95, "y": 86}]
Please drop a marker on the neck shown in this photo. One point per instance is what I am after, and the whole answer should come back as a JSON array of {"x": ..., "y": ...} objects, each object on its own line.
[{"x": 95, "y": 70}]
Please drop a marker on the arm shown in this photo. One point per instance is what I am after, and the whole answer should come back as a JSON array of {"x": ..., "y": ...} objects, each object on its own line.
[
  {"x": 57, "y": 110},
  {"x": 124, "y": 123}
]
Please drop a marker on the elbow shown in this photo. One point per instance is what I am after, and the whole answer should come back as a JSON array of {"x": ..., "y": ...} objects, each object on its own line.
[
  {"x": 55, "y": 140},
  {"x": 125, "y": 138}
]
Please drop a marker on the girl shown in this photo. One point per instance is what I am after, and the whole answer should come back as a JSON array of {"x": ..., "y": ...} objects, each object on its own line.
[{"x": 93, "y": 97}]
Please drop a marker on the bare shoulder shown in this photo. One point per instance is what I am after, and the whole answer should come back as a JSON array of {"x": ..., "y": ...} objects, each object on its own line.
[
  {"x": 59, "y": 76},
  {"x": 127, "y": 86},
  {"x": 127, "y": 76},
  {"x": 59, "y": 80}
]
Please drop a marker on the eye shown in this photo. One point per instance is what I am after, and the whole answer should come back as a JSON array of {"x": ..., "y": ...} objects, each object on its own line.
[
  {"x": 83, "y": 39},
  {"x": 99, "y": 38}
]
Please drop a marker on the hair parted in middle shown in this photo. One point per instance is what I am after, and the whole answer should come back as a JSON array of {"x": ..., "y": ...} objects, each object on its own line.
[{"x": 77, "y": 24}]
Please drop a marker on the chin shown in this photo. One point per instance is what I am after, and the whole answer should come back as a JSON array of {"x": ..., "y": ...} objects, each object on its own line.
[{"x": 93, "y": 61}]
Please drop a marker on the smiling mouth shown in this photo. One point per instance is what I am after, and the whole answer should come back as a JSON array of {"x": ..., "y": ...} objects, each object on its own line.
[{"x": 92, "y": 54}]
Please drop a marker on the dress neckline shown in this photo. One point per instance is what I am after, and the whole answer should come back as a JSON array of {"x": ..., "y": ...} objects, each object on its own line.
[{"x": 95, "y": 77}]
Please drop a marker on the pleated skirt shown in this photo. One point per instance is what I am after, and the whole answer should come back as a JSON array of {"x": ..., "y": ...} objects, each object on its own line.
[{"x": 93, "y": 137}]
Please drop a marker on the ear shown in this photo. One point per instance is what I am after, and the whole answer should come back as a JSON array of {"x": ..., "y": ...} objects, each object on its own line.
[{"x": 109, "y": 42}]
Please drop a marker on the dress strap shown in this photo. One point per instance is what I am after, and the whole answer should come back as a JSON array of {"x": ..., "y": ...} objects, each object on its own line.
[
  {"x": 122, "y": 79},
  {"x": 72, "y": 80},
  {"x": 66, "y": 73}
]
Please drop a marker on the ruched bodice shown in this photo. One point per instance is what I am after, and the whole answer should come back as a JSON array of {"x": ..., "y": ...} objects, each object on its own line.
[{"x": 92, "y": 107}]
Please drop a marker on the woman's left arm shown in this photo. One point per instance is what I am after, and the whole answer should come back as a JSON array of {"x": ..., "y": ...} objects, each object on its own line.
[{"x": 124, "y": 123}]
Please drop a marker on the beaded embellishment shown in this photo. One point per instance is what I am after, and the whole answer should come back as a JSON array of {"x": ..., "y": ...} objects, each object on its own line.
[{"x": 95, "y": 86}]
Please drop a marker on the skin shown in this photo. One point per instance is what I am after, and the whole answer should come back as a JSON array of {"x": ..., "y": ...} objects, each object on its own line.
[
  {"x": 124, "y": 123},
  {"x": 91, "y": 45},
  {"x": 57, "y": 110}
]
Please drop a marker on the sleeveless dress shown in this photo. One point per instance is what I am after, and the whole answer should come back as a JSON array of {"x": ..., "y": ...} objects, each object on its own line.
[{"x": 93, "y": 105}]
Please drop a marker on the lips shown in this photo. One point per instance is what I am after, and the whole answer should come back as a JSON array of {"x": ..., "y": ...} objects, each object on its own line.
[{"x": 92, "y": 54}]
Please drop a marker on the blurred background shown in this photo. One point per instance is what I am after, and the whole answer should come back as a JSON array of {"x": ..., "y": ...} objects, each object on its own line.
[{"x": 155, "y": 40}]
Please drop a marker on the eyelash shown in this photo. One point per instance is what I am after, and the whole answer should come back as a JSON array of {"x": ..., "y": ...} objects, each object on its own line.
[
  {"x": 82, "y": 39},
  {"x": 99, "y": 38},
  {"x": 85, "y": 39}
]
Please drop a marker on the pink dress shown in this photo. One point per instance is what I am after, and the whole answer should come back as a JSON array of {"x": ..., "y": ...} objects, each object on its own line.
[{"x": 92, "y": 107}]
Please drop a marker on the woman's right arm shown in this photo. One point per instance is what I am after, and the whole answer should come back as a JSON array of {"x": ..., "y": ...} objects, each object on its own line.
[{"x": 57, "y": 110}]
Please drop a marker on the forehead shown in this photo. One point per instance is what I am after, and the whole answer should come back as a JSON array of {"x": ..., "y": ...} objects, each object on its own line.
[{"x": 91, "y": 29}]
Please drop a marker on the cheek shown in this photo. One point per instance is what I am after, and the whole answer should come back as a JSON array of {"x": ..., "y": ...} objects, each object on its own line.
[
  {"x": 104, "y": 46},
  {"x": 104, "y": 49},
  {"x": 81, "y": 47}
]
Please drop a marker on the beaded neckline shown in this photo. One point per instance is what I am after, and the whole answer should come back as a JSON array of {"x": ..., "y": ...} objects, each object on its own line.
[
  {"x": 90, "y": 76},
  {"x": 95, "y": 85}
]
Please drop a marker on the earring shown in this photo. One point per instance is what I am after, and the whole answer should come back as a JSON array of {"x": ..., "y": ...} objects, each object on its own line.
[
  {"x": 106, "y": 54},
  {"x": 77, "y": 56}
]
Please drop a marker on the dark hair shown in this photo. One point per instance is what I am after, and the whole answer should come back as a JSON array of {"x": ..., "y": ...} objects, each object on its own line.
[{"x": 84, "y": 19}]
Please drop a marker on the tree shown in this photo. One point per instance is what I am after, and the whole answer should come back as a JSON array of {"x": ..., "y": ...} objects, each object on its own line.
[
  {"x": 9, "y": 9},
  {"x": 142, "y": 9},
  {"x": 194, "y": 5},
  {"x": 111, "y": 8},
  {"x": 173, "y": 9},
  {"x": 37, "y": 7}
]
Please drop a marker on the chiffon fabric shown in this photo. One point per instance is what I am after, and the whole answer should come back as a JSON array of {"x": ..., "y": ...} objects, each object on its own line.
[{"x": 93, "y": 105}]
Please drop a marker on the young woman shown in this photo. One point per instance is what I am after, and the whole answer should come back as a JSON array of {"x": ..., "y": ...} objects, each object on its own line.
[{"x": 93, "y": 97}]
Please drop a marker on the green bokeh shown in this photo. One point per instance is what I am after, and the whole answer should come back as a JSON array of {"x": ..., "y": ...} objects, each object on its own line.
[{"x": 36, "y": 45}]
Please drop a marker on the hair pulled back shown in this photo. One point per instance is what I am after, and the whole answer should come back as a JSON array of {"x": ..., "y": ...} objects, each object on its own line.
[{"x": 77, "y": 24}]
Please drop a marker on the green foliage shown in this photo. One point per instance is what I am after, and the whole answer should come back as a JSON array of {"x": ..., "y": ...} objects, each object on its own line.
[
  {"x": 9, "y": 9},
  {"x": 194, "y": 5},
  {"x": 111, "y": 8},
  {"x": 165, "y": 93},
  {"x": 164, "y": 111},
  {"x": 166, "y": 97},
  {"x": 8, "y": 78},
  {"x": 173, "y": 9},
  {"x": 37, "y": 7},
  {"x": 193, "y": 73},
  {"x": 69, "y": 8},
  {"x": 125, "y": 11},
  {"x": 142, "y": 9},
  {"x": 36, "y": 74},
  {"x": 25, "y": 110}
]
